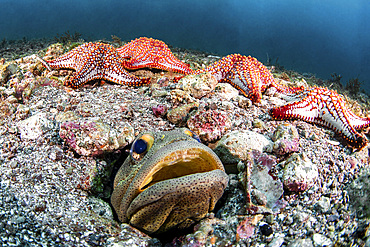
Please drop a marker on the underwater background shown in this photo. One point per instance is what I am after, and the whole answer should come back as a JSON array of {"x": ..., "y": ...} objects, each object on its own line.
[{"x": 313, "y": 36}]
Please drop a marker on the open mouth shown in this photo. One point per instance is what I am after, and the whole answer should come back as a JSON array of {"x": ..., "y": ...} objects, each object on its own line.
[{"x": 181, "y": 162}]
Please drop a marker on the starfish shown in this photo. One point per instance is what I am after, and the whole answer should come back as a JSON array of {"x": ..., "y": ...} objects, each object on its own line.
[
  {"x": 246, "y": 74},
  {"x": 93, "y": 61},
  {"x": 151, "y": 53},
  {"x": 326, "y": 108}
]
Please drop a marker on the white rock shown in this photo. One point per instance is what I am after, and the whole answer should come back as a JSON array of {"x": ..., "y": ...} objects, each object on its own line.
[{"x": 34, "y": 126}]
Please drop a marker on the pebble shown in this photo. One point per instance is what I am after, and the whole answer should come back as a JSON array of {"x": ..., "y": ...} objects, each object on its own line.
[
  {"x": 263, "y": 180},
  {"x": 227, "y": 92},
  {"x": 233, "y": 147},
  {"x": 198, "y": 85},
  {"x": 35, "y": 126},
  {"x": 179, "y": 115},
  {"x": 94, "y": 137},
  {"x": 323, "y": 204},
  {"x": 277, "y": 241},
  {"x": 301, "y": 243},
  {"x": 299, "y": 173},
  {"x": 321, "y": 240},
  {"x": 286, "y": 139},
  {"x": 210, "y": 125}
]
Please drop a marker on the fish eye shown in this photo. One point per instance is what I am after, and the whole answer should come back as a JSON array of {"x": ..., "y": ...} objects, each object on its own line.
[
  {"x": 141, "y": 146},
  {"x": 192, "y": 134}
]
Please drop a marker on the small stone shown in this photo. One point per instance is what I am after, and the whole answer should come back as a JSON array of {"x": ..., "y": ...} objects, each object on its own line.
[
  {"x": 160, "y": 110},
  {"x": 22, "y": 111},
  {"x": 159, "y": 93},
  {"x": 6, "y": 70},
  {"x": 11, "y": 99},
  {"x": 269, "y": 219},
  {"x": 56, "y": 154},
  {"x": 34, "y": 126},
  {"x": 66, "y": 116},
  {"x": 323, "y": 204},
  {"x": 198, "y": 85},
  {"x": 244, "y": 102},
  {"x": 19, "y": 220},
  {"x": 180, "y": 115},
  {"x": 209, "y": 125},
  {"x": 266, "y": 229},
  {"x": 233, "y": 147},
  {"x": 277, "y": 241},
  {"x": 321, "y": 240},
  {"x": 286, "y": 139},
  {"x": 13, "y": 163},
  {"x": 93, "y": 137},
  {"x": 264, "y": 181},
  {"x": 226, "y": 91},
  {"x": 301, "y": 243},
  {"x": 299, "y": 173}
]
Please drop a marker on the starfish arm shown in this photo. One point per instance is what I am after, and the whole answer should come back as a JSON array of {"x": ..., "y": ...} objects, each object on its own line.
[
  {"x": 71, "y": 59},
  {"x": 82, "y": 76},
  {"x": 297, "y": 110},
  {"x": 117, "y": 74},
  {"x": 356, "y": 121}
]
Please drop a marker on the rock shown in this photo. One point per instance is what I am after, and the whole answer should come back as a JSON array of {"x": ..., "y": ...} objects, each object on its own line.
[
  {"x": 321, "y": 240},
  {"x": 301, "y": 243},
  {"x": 95, "y": 177},
  {"x": 323, "y": 204},
  {"x": 130, "y": 236},
  {"x": 22, "y": 112},
  {"x": 159, "y": 93},
  {"x": 100, "y": 207},
  {"x": 66, "y": 116},
  {"x": 6, "y": 70},
  {"x": 259, "y": 197},
  {"x": 34, "y": 126},
  {"x": 180, "y": 115},
  {"x": 286, "y": 139},
  {"x": 159, "y": 110},
  {"x": 226, "y": 91},
  {"x": 93, "y": 137},
  {"x": 266, "y": 229},
  {"x": 198, "y": 85},
  {"x": 234, "y": 146},
  {"x": 244, "y": 102},
  {"x": 299, "y": 173},
  {"x": 277, "y": 241},
  {"x": 6, "y": 109},
  {"x": 262, "y": 179},
  {"x": 211, "y": 231},
  {"x": 210, "y": 124},
  {"x": 179, "y": 96},
  {"x": 246, "y": 228},
  {"x": 359, "y": 193}
]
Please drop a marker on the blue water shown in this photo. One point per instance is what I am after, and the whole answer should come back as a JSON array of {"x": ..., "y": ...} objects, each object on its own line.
[{"x": 316, "y": 36}]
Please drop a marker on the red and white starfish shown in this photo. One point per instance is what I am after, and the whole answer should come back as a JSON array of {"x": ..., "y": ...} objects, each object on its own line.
[
  {"x": 94, "y": 61},
  {"x": 151, "y": 53},
  {"x": 246, "y": 74},
  {"x": 327, "y": 108}
]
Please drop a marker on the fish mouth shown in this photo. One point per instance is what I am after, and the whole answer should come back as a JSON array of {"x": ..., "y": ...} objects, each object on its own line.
[{"x": 179, "y": 159}]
